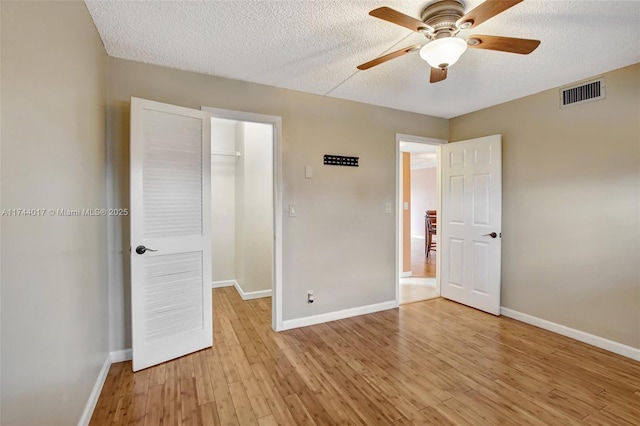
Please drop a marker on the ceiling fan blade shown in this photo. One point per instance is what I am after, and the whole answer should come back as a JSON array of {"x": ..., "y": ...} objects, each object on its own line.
[
  {"x": 523, "y": 46},
  {"x": 388, "y": 57},
  {"x": 437, "y": 74},
  {"x": 486, "y": 11},
  {"x": 395, "y": 17}
]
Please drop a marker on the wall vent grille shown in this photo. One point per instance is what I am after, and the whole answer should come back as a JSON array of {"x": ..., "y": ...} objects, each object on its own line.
[{"x": 585, "y": 92}]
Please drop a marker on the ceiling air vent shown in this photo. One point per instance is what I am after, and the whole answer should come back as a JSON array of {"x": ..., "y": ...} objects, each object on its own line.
[{"x": 585, "y": 92}]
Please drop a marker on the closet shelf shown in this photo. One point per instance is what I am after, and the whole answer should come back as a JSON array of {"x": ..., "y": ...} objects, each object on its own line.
[{"x": 226, "y": 153}]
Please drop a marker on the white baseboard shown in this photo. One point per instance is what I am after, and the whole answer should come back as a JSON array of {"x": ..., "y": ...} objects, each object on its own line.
[
  {"x": 112, "y": 357},
  {"x": 226, "y": 283},
  {"x": 95, "y": 393},
  {"x": 406, "y": 274},
  {"x": 333, "y": 316},
  {"x": 597, "y": 341},
  {"x": 252, "y": 294},
  {"x": 122, "y": 355},
  {"x": 245, "y": 295}
]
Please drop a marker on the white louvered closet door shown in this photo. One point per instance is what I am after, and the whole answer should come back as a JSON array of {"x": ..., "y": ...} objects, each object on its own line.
[{"x": 170, "y": 232}]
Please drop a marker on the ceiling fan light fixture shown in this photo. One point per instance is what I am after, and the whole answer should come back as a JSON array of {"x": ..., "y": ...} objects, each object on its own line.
[{"x": 443, "y": 52}]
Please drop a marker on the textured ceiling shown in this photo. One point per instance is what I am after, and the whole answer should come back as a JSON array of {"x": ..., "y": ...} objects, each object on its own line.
[{"x": 315, "y": 45}]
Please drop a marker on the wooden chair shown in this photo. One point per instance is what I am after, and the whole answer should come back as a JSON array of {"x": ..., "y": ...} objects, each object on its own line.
[{"x": 430, "y": 230}]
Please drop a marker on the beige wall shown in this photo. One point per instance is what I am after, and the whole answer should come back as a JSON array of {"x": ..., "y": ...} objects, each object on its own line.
[
  {"x": 424, "y": 196},
  {"x": 406, "y": 213},
  {"x": 571, "y": 206},
  {"x": 239, "y": 209},
  {"x": 254, "y": 207},
  {"x": 223, "y": 188},
  {"x": 341, "y": 244},
  {"x": 54, "y": 287},
  {"x": 254, "y": 238}
]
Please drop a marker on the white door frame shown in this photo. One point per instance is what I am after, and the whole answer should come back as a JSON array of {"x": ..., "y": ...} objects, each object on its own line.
[
  {"x": 276, "y": 122},
  {"x": 399, "y": 242}
]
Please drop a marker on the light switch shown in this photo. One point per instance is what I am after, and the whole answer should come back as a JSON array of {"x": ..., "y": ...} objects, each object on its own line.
[
  {"x": 406, "y": 205},
  {"x": 308, "y": 172},
  {"x": 292, "y": 210},
  {"x": 388, "y": 208}
]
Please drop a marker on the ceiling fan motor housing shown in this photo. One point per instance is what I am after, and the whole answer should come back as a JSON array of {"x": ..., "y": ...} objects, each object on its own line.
[{"x": 442, "y": 16}]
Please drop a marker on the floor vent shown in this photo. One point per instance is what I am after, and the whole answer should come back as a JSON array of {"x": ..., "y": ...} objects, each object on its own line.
[{"x": 585, "y": 92}]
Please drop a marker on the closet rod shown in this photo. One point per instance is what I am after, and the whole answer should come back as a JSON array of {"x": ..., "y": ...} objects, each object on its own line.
[{"x": 226, "y": 153}]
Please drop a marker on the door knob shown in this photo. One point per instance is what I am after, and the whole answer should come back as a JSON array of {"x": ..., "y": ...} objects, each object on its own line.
[
  {"x": 143, "y": 249},
  {"x": 492, "y": 235}
]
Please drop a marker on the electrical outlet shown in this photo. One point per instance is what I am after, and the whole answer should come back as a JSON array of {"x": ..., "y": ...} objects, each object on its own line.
[
  {"x": 388, "y": 208},
  {"x": 310, "y": 296}
]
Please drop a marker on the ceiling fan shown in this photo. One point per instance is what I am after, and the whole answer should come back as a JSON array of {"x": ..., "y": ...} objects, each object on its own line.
[{"x": 440, "y": 23}]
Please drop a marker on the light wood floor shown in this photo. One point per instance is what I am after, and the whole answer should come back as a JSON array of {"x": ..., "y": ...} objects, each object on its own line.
[
  {"x": 411, "y": 292},
  {"x": 433, "y": 362},
  {"x": 422, "y": 266}
]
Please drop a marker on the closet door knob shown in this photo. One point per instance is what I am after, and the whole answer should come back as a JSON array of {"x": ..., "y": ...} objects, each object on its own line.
[{"x": 143, "y": 249}]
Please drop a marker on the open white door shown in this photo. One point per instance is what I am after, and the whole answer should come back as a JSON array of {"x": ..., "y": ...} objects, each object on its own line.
[
  {"x": 170, "y": 232},
  {"x": 470, "y": 222}
]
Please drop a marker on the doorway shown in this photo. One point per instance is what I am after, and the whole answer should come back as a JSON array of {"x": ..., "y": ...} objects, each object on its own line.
[
  {"x": 418, "y": 202},
  {"x": 245, "y": 201}
]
